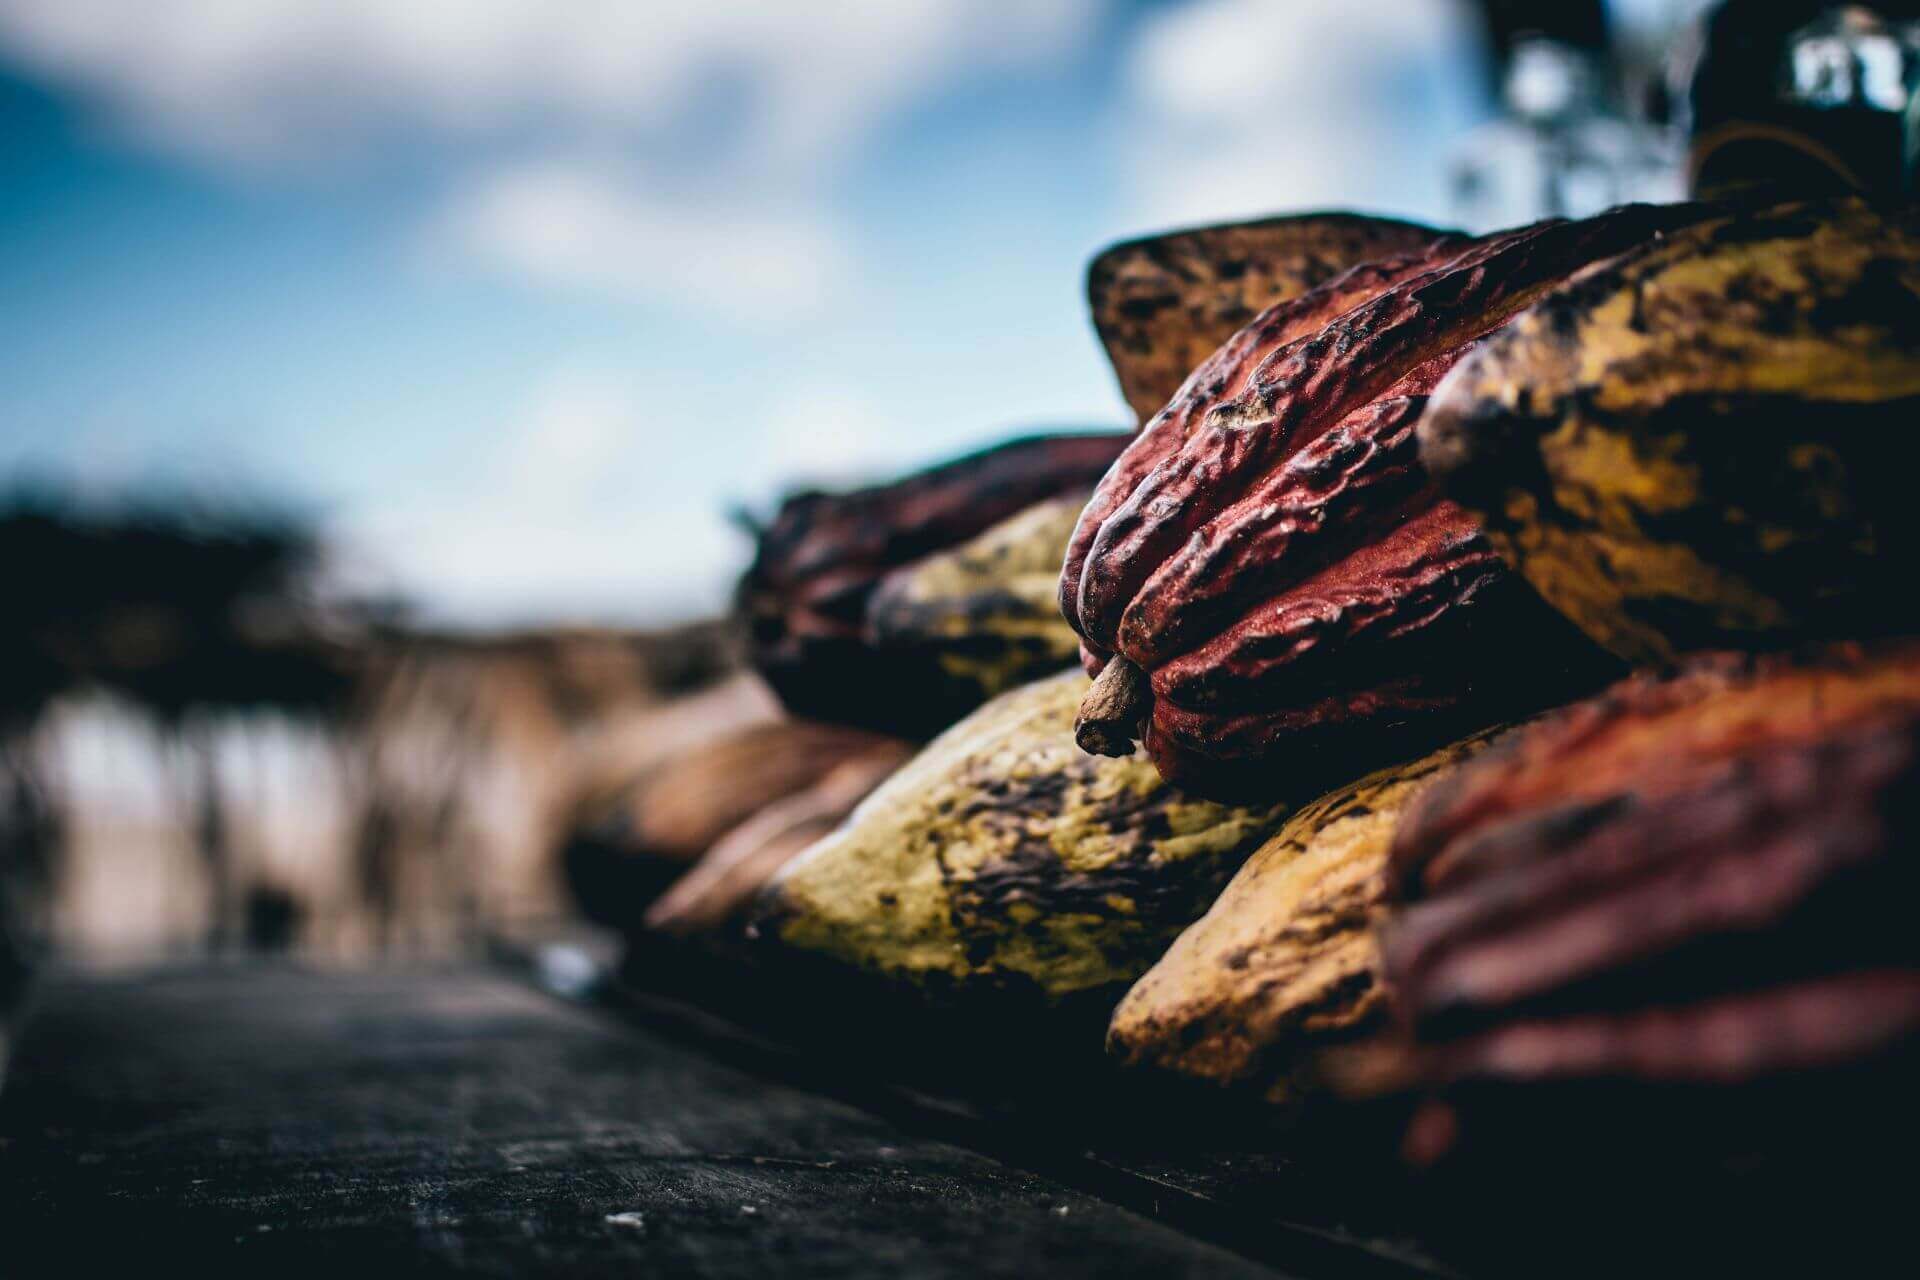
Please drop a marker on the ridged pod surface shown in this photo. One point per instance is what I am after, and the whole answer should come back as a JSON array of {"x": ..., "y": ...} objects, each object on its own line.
[
  {"x": 804, "y": 598},
  {"x": 1285, "y": 962},
  {"x": 1163, "y": 303},
  {"x": 985, "y": 614},
  {"x": 1271, "y": 554},
  {"x": 1004, "y": 857},
  {"x": 1224, "y": 375},
  {"x": 1703, "y": 879},
  {"x": 1710, "y": 441}
]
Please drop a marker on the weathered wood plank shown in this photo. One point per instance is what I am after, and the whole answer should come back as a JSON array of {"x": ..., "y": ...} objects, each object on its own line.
[
  {"x": 275, "y": 1121},
  {"x": 1759, "y": 1182}
]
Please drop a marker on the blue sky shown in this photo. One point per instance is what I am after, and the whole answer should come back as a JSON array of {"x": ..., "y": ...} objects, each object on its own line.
[{"x": 519, "y": 296}]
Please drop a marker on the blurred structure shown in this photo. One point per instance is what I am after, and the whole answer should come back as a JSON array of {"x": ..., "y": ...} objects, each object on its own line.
[
  {"x": 420, "y": 819},
  {"x": 185, "y": 611},
  {"x": 198, "y": 753},
  {"x": 1804, "y": 95},
  {"x": 1584, "y": 121},
  {"x": 469, "y": 759}
]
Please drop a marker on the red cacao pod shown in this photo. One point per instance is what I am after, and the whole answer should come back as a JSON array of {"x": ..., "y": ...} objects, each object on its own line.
[
  {"x": 1271, "y": 555},
  {"x": 1700, "y": 879}
]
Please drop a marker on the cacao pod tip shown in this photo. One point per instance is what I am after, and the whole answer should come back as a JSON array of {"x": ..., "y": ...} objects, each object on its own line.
[{"x": 1113, "y": 710}]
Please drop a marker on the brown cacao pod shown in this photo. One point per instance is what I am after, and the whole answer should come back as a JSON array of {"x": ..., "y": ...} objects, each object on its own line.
[
  {"x": 805, "y": 598},
  {"x": 627, "y": 845},
  {"x": 1271, "y": 554},
  {"x": 1708, "y": 442},
  {"x": 1701, "y": 879},
  {"x": 1286, "y": 961},
  {"x": 721, "y": 884},
  {"x": 682, "y": 808},
  {"x": 1163, "y": 303}
]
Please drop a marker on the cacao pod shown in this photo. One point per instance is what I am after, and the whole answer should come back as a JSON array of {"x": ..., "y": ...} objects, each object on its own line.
[
  {"x": 985, "y": 614},
  {"x": 626, "y": 846},
  {"x": 1163, "y": 303},
  {"x": 1707, "y": 442},
  {"x": 1286, "y": 961},
  {"x": 1003, "y": 857},
  {"x": 725, "y": 879},
  {"x": 806, "y": 595},
  {"x": 1271, "y": 555},
  {"x": 1702, "y": 879}
]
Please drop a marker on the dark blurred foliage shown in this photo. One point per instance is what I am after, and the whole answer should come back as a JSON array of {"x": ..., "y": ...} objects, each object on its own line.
[{"x": 179, "y": 606}]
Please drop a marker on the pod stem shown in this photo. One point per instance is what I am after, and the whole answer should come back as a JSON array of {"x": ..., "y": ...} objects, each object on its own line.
[{"x": 1113, "y": 710}]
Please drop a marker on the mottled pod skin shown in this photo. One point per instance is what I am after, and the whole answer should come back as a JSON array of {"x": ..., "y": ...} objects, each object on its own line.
[
  {"x": 984, "y": 614},
  {"x": 805, "y": 597},
  {"x": 1270, "y": 551},
  {"x": 1162, "y": 304},
  {"x": 1701, "y": 879},
  {"x": 1707, "y": 442},
  {"x": 1002, "y": 857},
  {"x": 1286, "y": 961}
]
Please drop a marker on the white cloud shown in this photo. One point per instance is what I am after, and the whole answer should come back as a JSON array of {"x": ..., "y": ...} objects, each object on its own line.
[
  {"x": 676, "y": 151},
  {"x": 574, "y": 513},
  {"x": 577, "y": 227},
  {"x": 254, "y": 80},
  {"x": 1241, "y": 107}
]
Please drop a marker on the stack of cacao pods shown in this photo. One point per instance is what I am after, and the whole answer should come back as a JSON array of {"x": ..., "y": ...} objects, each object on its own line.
[
  {"x": 1395, "y": 493},
  {"x": 1692, "y": 443},
  {"x": 1266, "y": 579},
  {"x": 875, "y": 616},
  {"x": 890, "y": 610},
  {"x": 904, "y": 605},
  {"x": 1004, "y": 858}
]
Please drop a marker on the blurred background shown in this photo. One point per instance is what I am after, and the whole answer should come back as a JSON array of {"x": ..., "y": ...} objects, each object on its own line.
[{"x": 383, "y": 381}]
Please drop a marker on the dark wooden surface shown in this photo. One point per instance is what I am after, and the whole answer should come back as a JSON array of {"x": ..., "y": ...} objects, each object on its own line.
[
  {"x": 270, "y": 1121},
  {"x": 1040, "y": 1098},
  {"x": 1807, "y": 1175},
  {"x": 274, "y": 1121}
]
